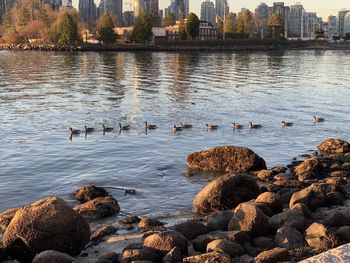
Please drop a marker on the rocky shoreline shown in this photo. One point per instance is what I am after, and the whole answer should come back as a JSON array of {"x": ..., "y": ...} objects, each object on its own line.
[{"x": 249, "y": 214}]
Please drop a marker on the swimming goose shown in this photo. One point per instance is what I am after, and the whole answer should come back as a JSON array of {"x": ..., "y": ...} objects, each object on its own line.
[
  {"x": 255, "y": 126},
  {"x": 237, "y": 126},
  {"x": 75, "y": 132},
  {"x": 211, "y": 127},
  {"x": 107, "y": 129},
  {"x": 317, "y": 119},
  {"x": 123, "y": 128},
  {"x": 175, "y": 129},
  {"x": 287, "y": 124},
  {"x": 89, "y": 130},
  {"x": 150, "y": 126},
  {"x": 186, "y": 126}
]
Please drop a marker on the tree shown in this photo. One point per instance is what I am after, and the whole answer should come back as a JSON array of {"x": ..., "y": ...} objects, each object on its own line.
[
  {"x": 169, "y": 19},
  {"x": 276, "y": 26},
  {"x": 229, "y": 24},
  {"x": 105, "y": 29},
  {"x": 192, "y": 25},
  {"x": 67, "y": 30},
  {"x": 142, "y": 30},
  {"x": 24, "y": 17},
  {"x": 220, "y": 28},
  {"x": 319, "y": 33},
  {"x": 244, "y": 22},
  {"x": 182, "y": 29},
  {"x": 156, "y": 20}
]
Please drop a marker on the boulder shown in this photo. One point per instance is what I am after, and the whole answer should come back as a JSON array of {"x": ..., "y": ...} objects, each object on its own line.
[
  {"x": 208, "y": 257},
  {"x": 150, "y": 223},
  {"x": 302, "y": 207},
  {"x": 248, "y": 217},
  {"x": 274, "y": 255},
  {"x": 219, "y": 220},
  {"x": 313, "y": 196},
  {"x": 336, "y": 218},
  {"x": 53, "y": 257},
  {"x": 225, "y": 193},
  {"x": 98, "y": 208},
  {"x": 335, "y": 198},
  {"x": 101, "y": 232},
  {"x": 111, "y": 257},
  {"x": 319, "y": 237},
  {"x": 48, "y": 224},
  {"x": 266, "y": 175},
  {"x": 309, "y": 169},
  {"x": 343, "y": 234},
  {"x": 191, "y": 229},
  {"x": 226, "y": 159},
  {"x": 6, "y": 217},
  {"x": 174, "y": 256},
  {"x": 252, "y": 251},
  {"x": 340, "y": 174},
  {"x": 289, "y": 183},
  {"x": 272, "y": 200},
  {"x": 230, "y": 248},
  {"x": 334, "y": 146},
  {"x": 130, "y": 255},
  {"x": 289, "y": 238},
  {"x": 164, "y": 242},
  {"x": 130, "y": 220},
  {"x": 293, "y": 217},
  {"x": 264, "y": 243},
  {"x": 89, "y": 192}
]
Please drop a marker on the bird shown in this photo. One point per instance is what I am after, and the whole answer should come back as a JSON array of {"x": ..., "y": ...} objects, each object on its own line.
[
  {"x": 123, "y": 128},
  {"x": 107, "y": 129},
  {"x": 186, "y": 126},
  {"x": 318, "y": 119},
  {"x": 211, "y": 127},
  {"x": 175, "y": 128},
  {"x": 237, "y": 126},
  {"x": 74, "y": 132},
  {"x": 255, "y": 126},
  {"x": 89, "y": 130},
  {"x": 287, "y": 124},
  {"x": 150, "y": 126}
]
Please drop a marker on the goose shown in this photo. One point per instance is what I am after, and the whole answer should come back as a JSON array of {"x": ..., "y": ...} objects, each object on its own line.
[
  {"x": 237, "y": 126},
  {"x": 123, "y": 128},
  {"x": 287, "y": 124},
  {"x": 175, "y": 129},
  {"x": 318, "y": 119},
  {"x": 74, "y": 132},
  {"x": 186, "y": 126},
  {"x": 211, "y": 127},
  {"x": 107, "y": 129},
  {"x": 255, "y": 126},
  {"x": 150, "y": 126},
  {"x": 89, "y": 130}
]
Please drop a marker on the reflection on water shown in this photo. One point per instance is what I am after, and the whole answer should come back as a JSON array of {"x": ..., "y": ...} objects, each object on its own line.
[{"x": 43, "y": 94}]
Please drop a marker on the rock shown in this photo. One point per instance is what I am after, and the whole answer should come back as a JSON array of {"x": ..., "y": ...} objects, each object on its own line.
[
  {"x": 272, "y": 200},
  {"x": 226, "y": 159},
  {"x": 53, "y": 257},
  {"x": 48, "y": 224},
  {"x": 302, "y": 207},
  {"x": 130, "y": 255},
  {"x": 165, "y": 241},
  {"x": 98, "y": 208},
  {"x": 264, "y": 243},
  {"x": 225, "y": 193},
  {"x": 173, "y": 256},
  {"x": 335, "y": 198},
  {"x": 130, "y": 220},
  {"x": 320, "y": 238},
  {"x": 334, "y": 146},
  {"x": 269, "y": 188},
  {"x": 286, "y": 194},
  {"x": 252, "y": 251},
  {"x": 230, "y": 248},
  {"x": 289, "y": 238},
  {"x": 89, "y": 192},
  {"x": 336, "y": 218},
  {"x": 274, "y": 255},
  {"x": 279, "y": 169},
  {"x": 339, "y": 254},
  {"x": 2, "y": 254},
  {"x": 343, "y": 234},
  {"x": 289, "y": 183},
  {"x": 340, "y": 174},
  {"x": 149, "y": 224},
  {"x": 6, "y": 217},
  {"x": 208, "y": 257},
  {"x": 111, "y": 257},
  {"x": 282, "y": 176},
  {"x": 191, "y": 229},
  {"x": 266, "y": 175},
  {"x": 219, "y": 220},
  {"x": 309, "y": 169},
  {"x": 102, "y": 232},
  {"x": 313, "y": 196},
  {"x": 247, "y": 217},
  {"x": 293, "y": 217}
]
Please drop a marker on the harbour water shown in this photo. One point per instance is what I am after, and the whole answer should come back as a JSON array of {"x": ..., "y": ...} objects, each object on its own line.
[{"x": 42, "y": 94}]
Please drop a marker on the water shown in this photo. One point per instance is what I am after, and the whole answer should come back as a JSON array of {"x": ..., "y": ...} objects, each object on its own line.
[{"x": 43, "y": 94}]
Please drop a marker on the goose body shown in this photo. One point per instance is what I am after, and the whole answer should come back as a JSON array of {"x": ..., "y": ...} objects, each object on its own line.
[
  {"x": 89, "y": 130},
  {"x": 107, "y": 129},
  {"x": 123, "y": 128},
  {"x": 318, "y": 119},
  {"x": 175, "y": 128},
  {"x": 150, "y": 126},
  {"x": 186, "y": 126},
  {"x": 255, "y": 126},
  {"x": 287, "y": 124},
  {"x": 237, "y": 126},
  {"x": 74, "y": 132},
  {"x": 211, "y": 127}
]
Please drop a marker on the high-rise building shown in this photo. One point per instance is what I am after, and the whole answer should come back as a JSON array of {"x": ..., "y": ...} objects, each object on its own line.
[
  {"x": 281, "y": 9},
  {"x": 347, "y": 24},
  {"x": 222, "y": 8},
  {"x": 179, "y": 8},
  {"x": 332, "y": 26},
  {"x": 140, "y": 6},
  {"x": 294, "y": 20},
  {"x": 128, "y": 18},
  {"x": 208, "y": 12},
  {"x": 114, "y": 7},
  {"x": 340, "y": 22},
  {"x": 154, "y": 7},
  {"x": 310, "y": 22},
  {"x": 261, "y": 17},
  {"x": 87, "y": 10}
]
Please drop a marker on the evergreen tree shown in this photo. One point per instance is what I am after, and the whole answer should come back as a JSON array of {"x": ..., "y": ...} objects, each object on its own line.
[
  {"x": 192, "y": 25},
  {"x": 169, "y": 19},
  {"x": 142, "y": 30},
  {"x": 67, "y": 31},
  {"x": 105, "y": 29},
  {"x": 276, "y": 26}
]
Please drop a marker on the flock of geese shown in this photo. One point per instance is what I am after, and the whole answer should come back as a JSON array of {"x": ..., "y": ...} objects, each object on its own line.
[{"x": 147, "y": 126}]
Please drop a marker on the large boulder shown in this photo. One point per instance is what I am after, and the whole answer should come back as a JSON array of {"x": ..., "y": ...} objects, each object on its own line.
[
  {"x": 89, "y": 192},
  {"x": 272, "y": 200},
  {"x": 289, "y": 238},
  {"x": 230, "y": 248},
  {"x": 219, "y": 220},
  {"x": 208, "y": 257},
  {"x": 191, "y": 229},
  {"x": 309, "y": 169},
  {"x": 343, "y": 234},
  {"x": 336, "y": 218},
  {"x": 48, "y": 224},
  {"x": 319, "y": 237},
  {"x": 53, "y": 257},
  {"x": 226, "y": 159},
  {"x": 132, "y": 254},
  {"x": 274, "y": 255},
  {"x": 293, "y": 217},
  {"x": 226, "y": 193},
  {"x": 334, "y": 146},
  {"x": 248, "y": 217},
  {"x": 6, "y": 217}
]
